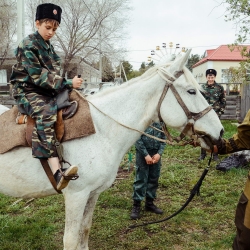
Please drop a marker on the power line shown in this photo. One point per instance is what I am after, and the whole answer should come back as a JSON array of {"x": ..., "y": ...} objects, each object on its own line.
[{"x": 199, "y": 46}]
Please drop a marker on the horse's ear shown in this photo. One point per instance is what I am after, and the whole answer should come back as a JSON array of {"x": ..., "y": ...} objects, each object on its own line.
[{"x": 179, "y": 63}]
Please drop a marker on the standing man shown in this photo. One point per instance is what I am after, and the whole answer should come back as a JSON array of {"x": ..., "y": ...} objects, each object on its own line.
[
  {"x": 215, "y": 96},
  {"x": 240, "y": 141},
  {"x": 148, "y": 165}
]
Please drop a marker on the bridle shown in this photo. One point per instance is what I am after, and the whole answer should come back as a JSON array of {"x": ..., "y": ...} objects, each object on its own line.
[{"x": 192, "y": 117}]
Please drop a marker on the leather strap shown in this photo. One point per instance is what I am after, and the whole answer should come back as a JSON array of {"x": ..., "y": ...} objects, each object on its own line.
[
  {"x": 180, "y": 101},
  {"x": 29, "y": 130},
  {"x": 49, "y": 173},
  {"x": 59, "y": 126}
]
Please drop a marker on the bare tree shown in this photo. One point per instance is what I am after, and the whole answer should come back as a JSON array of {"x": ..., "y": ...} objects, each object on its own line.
[
  {"x": 237, "y": 11},
  {"x": 90, "y": 29},
  {"x": 7, "y": 27},
  {"x": 236, "y": 75},
  {"x": 107, "y": 70},
  {"x": 30, "y": 13}
]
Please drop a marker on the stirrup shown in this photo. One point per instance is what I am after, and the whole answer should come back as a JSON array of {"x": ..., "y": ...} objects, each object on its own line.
[
  {"x": 68, "y": 177},
  {"x": 71, "y": 177},
  {"x": 63, "y": 177}
]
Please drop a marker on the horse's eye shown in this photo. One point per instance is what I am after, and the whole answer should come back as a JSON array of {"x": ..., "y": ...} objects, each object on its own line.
[{"x": 191, "y": 91}]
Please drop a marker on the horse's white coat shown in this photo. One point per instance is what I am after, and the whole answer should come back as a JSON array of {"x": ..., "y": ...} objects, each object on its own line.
[
  {"x": 98, "y": 156},
  {"x": 3, "y": 109}
]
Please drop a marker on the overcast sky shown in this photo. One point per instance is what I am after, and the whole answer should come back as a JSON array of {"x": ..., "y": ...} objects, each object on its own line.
[{"x": 196, "y": 24}]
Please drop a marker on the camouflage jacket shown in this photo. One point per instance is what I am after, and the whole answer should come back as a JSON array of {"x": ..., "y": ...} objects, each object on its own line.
[
  {"x": 145, "y": 144},
  {"x": 38, "y": 66},
  {"x": 240, "y": 140},
  {"x": 215, "y": 96}
]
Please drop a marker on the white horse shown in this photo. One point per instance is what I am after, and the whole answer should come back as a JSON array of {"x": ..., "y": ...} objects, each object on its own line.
[
  {"x": 134, "y": 105},
  {"x": 3, "y": 109}
]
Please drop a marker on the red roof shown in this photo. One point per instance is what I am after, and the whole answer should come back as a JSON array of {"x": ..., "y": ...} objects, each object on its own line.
[
  {"x": 223, "y": 53},
  {"x": 210, "y": 52}
]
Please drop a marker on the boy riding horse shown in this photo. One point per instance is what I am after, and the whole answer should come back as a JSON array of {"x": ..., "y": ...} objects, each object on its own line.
[{"x": 36, "y": 83}]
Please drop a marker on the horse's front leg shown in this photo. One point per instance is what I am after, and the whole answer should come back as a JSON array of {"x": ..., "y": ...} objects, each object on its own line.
[{"x": 79, "y": 210}]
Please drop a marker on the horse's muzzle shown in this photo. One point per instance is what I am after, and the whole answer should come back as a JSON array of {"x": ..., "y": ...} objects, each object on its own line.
[{"x": 208, "y": 139}]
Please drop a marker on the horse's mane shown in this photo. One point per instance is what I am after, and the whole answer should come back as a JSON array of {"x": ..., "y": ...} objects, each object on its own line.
[{"x": 153, "y": 71}]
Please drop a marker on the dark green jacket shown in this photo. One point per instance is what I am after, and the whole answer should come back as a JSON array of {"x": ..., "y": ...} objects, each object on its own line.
[
  {"x": 38, "y": 65},
  {"x": 146, "y": 144},
  {"x": 215, "y": 96},
  {"x": 240, "y": 140}
]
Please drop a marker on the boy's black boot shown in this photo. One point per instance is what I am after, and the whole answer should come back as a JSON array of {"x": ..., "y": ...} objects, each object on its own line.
[
  {"x": 151, "y": 207},
  {"x": 135, "y": 213}
]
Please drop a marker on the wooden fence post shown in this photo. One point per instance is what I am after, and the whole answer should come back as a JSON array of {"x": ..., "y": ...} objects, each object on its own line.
[
  {"x": 245, "y": 100},
  {"x": 238, "y": 108}
]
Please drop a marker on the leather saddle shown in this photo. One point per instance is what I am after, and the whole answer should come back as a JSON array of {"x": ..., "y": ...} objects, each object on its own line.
[
  {"x": 66, "y": 110},
  {"x": 78, "y": 124}
]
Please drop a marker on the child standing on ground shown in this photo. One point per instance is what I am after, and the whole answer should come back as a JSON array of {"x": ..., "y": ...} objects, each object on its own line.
[{"x": 148, "y": 167}]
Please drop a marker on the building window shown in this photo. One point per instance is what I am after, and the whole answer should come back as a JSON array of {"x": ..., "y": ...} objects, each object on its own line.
[{"x": 3, "y": 77}]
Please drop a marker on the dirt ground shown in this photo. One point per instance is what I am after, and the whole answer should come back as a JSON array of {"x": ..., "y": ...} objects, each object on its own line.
[{"x": 123, "y": 173}]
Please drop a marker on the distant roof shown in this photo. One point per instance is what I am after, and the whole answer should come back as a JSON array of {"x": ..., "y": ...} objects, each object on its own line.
[{"x": 222, "y": 53}]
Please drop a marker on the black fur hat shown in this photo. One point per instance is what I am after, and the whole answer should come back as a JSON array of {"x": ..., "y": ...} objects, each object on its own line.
[
  {"x": 48, "y": 10},
  {"x": 211, "y": 72}
]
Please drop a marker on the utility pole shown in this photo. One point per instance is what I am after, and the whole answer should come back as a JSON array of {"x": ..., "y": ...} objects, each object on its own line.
[
  {"x": 20, "y": 20},
  {"x": 100, "y": 51},
  {"x": 123, "y": 72},
  {"x": 120, "y": 69}
]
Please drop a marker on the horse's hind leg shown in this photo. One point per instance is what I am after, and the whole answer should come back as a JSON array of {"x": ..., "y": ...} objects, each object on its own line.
[{"x": 79, "y": 211}]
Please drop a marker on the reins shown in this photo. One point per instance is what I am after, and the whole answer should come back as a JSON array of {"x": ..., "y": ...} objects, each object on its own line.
[
  {"x": 151, "y": 136},
  {"x": 193, "y": 192},
  {"x": 192, "y": 117}
]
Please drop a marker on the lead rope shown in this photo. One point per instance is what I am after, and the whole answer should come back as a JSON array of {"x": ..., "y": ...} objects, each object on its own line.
[
  {"x": 193, "y": 142},
  {"x": 193, "y": 192}
]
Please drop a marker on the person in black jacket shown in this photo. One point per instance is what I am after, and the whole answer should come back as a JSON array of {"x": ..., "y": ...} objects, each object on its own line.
[{"x": 240, "y": 141}]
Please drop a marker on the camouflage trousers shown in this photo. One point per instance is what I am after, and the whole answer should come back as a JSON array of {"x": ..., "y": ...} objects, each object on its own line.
[
  {"x": 146, "y": 178},
  {"x": 44, "y": 110}
]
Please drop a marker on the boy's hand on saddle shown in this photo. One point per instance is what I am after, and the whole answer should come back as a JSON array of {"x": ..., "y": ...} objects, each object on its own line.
[{"x": 77, "y": 82}]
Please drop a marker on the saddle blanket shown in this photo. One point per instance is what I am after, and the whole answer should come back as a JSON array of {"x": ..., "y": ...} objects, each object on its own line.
[{"x": 14, "y": 135}]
